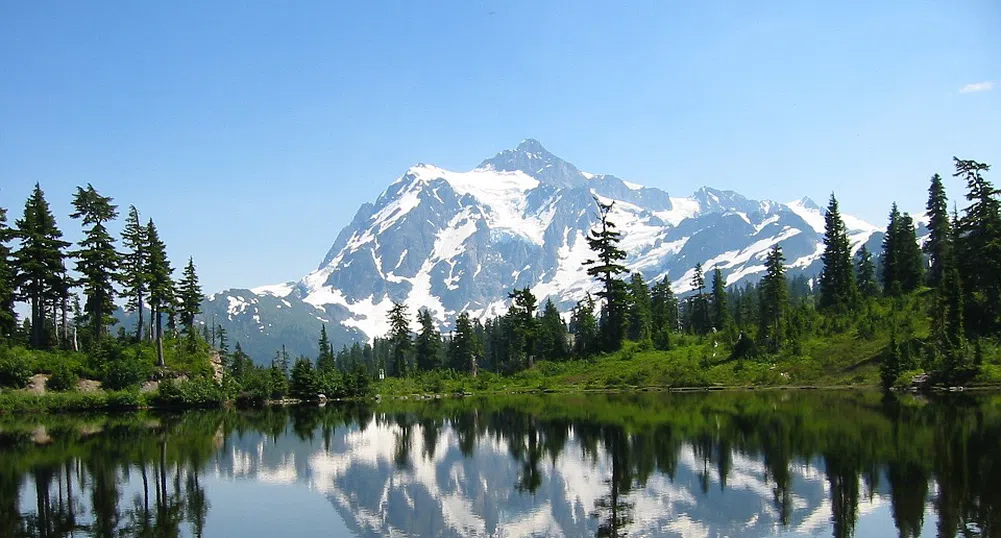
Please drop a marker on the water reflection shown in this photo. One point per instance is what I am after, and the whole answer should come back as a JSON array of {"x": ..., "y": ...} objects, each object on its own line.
[{"x": 752, "y": 464}]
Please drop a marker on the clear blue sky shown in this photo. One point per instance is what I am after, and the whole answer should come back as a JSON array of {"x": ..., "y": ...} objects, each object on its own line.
[{"x": 251, "y": 135}]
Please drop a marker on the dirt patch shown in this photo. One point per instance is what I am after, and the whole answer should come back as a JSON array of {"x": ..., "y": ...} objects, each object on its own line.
[
  {"x": 149, "y": 386},
  {"x": 216, "y": 361},
  {"x": 88, "y": 385}
]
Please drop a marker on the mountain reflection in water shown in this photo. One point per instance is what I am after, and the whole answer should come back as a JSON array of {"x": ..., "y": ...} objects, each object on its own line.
[{"x": 710, "y": 464}]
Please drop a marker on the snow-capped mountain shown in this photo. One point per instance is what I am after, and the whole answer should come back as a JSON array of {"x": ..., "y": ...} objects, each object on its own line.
[{"x": 460, "y": 241}]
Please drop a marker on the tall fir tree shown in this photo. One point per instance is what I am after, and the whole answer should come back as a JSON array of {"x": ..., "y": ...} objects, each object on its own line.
[
  {"x": 552, "y": 337},
  {"x": 8, "y": 316},
  {"x": 189, "y": 297},
  {"x": 427, "y": 346},
  {"x": 40, "y": 276},
  {"x": 639, "y": 309},
  {"x": 865, "y": 273},
  {"x": 890, "y": 260},
  {"x": 161, "y": 286},
  {"x": 979, "y": 249},
  {"x": 909, "y": 258},
  {"x": 943, "y": 275},
  {"x": 838, "y": 289},
  {"x": 719, "y": 309},
  {"x": 399, "y": 339},
  {"x": 606, "y": 266},
  {"x": 939, "y": 246},
  {"x": 664, "y": 313},
  {"x": 774, "y": 301},
  {"x": 524, "y": 328},
  {"x": 135, "y": 267},
  {"x": 464, "y": 345},
  {"x": 584, "y": 328},
  {"x": 698, "y": 303},
  {"x": 97, "y": 259},
  {"x": 325, "y": 360}
]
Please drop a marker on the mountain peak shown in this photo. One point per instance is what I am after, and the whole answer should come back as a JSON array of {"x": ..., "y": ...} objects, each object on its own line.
[{"x": 535, "y": 160}]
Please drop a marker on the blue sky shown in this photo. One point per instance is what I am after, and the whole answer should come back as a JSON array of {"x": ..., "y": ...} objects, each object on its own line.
[{"x": 251, "y": 134}]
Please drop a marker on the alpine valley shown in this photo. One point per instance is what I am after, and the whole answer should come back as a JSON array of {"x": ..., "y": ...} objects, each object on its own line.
[{"x": 461, "y": 241}]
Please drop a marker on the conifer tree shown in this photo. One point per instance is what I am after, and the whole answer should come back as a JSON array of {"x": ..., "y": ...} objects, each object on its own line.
[
  {"x": 774, "y": 301},
  {"x": 221, "y": 336},
  {"x": 947, "y": 308},
  {"x": 910, "y": 261},
  {"x": 524, "y": 328},
  {"x": 428, "y": 343},
  {"x": 891, "y": 254},
  {"x": 303, "y": 382},
  {"x": 399, "y": 339},
  {"x": 464, "y": 345},
  {"x": 698, "y": 310},
  {"x": 552, "y": 340},
  {"x": 639, "y": 309},
  {"x": 8, "y": 316},
  {"x": 97, "y": 259},
  {"x": 838, "y": 289},
  {"x": 939, "y": 247},
  {"x": 584, "y": 328},
  {"x": 664, "y": 313},
  {"x": 189, "y": 297},
  {"x": 606, "y": 266},
  {"x": 865, "y": 271},
  {"x": 135, "y": 267},
  {"x": 325, "y": 360},
  {"x": 40, "y": 276},
  {"x": 980, "y": 249},
  {"x": 161, "y": 286},
  {"x": 720, "y": 310}
]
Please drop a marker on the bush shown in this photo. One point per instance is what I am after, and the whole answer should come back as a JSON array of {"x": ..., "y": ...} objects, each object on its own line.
[
  {"x": 63, "y": 378},
  {"x": 15, "y": 368},
  {"x": 193, "y": 393},
  {"x": 125, "y": 372}
]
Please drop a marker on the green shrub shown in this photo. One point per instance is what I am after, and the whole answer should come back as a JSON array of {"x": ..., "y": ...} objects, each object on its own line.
[
  {"x": 193, "y": 393},
  {"x": 63, "y": 378},
  {"x": 124, "y": 372},
  {"x": 15, "y": 367}
]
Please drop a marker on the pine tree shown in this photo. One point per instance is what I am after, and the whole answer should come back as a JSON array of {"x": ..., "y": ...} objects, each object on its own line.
[
  {"x": 774, "y": 301},
  {"x": 947, "y": 308},
  {"x": 664, "y": 313},
  {"x": 939, "y": 247},
  {"x": 910, "y": 261},
  {"x": 720, "y": 310},
  {"x": 428, "y": 343},
  {"x": 584, "y": 328},
  {"x": 865, "y": 272},
  {"x": 97, "y": 259},
  {"x": 891, "y": 254},
  {"x": 325, "y": 360},
  {"x": 40, "y": 270},
  {"x": 161, "y": 285},
  {"x": 979, "y": 249},
  {"x": 698, "y": 304},
  {"x": 464, "y": 345},
  {"x": 303, "y": 382},
  {"x": 639, "y": 309},
  {"x": 399, "y": 338},
  {"x": 524, "y": 328},
  {"x": 552, "y": 339},
  {"x": 223, "y": 340},
  {"x": 190, "y": 297},
  {"x": 604, "y": 242},
  {"x": 135, "y": 267},
  {"x": 8, "y": 316},
  {"x": 838, "y": 289}
]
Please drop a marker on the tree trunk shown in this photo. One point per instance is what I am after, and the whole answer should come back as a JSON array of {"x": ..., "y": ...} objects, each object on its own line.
[
  {"x": 139, "y": 327},
  {"x": 159, "y": 340},
  {"x": 64, "y": 342}
]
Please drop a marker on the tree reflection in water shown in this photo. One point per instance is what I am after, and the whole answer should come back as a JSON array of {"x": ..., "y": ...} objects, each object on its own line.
[{"x": 67, "y": 475}]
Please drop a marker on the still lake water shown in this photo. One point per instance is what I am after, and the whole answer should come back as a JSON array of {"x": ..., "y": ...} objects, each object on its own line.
[{"x": 687, "y": 465}]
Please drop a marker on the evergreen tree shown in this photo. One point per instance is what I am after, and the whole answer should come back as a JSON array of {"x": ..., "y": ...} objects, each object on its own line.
[
  {"x": 774, "y": 301},
  {"x": 428, "y": 343},
  {"x": 40, "y": 276},
  {"x": 939, "y": 246},
  {"x": 303, "y": 384},
  {"x": 161, "y": 285},
  {"x": 97, "y": 259},
  {"x": 979, "y": 249},
  {"x": 190, "y": 297},
  {"x": 552, "y": 340},
  {"x": 720, "y": 311},
  {"x": 464, "y": 345},
  {"x": 399, "y": 338},
  {"x": 240, "y": 364},
  {"x": 639, "y": 309},
  {"x": 698, "y": 304},
  {"x": 664, "y": 313},
  {"x": 325, "y": 361},
  {"x": 223, "y": 340},
  {"x": 606, "y": 266},
  {"x": 8, "y": 317},
  {"x": 584, "y": 328},
  {"x": 865, "y": 271},
  {"x": 838, "y": 289},
  {"x": 947, "y": 308},
  {"x": 891, "y": 254},
  {"x": 524, "y": 328},
  {"x": 910, "y": 261},
  {"x": 135, "y": 266}
]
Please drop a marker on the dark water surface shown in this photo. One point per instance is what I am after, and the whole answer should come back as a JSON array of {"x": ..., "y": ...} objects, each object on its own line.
[{"x": 688, "y": 465}]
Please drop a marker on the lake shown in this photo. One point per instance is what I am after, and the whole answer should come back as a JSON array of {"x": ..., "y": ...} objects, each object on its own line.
[{"x": 768, "y": 463}]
